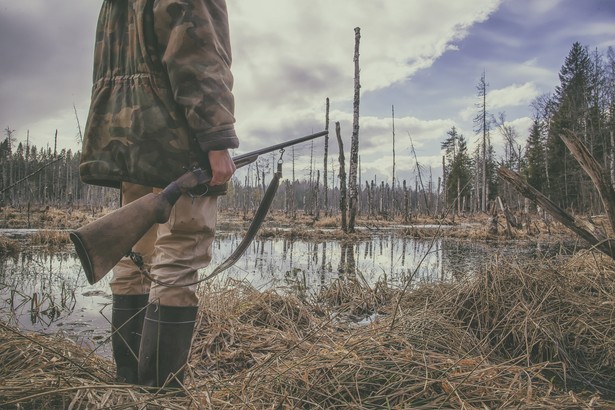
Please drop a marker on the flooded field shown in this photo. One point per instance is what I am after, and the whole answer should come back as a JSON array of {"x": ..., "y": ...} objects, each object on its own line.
[{"x": 48, "y": 292}]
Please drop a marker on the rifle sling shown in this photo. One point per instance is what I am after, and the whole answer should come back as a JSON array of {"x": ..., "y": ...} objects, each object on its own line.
[{"x": 255, "y": 225}]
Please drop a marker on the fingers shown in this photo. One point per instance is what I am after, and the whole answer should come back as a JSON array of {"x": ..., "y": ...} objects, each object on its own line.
[{"x": 222, "y": 167}]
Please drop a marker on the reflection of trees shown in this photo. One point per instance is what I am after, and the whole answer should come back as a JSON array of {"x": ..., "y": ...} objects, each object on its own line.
[
  {"x": 323, "y": 267},
  {"x": 36, "y": 284},
  {"x": 347, "y": 266}
]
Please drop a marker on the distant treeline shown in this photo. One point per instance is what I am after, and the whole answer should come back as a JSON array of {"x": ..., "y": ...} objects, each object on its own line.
[
  {"x": 583, "y": 103},
  {"x": 48, "y": 177}
]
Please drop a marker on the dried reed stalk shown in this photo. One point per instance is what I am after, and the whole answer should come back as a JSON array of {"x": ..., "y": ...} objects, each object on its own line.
[{"x": 509, "y": 337}]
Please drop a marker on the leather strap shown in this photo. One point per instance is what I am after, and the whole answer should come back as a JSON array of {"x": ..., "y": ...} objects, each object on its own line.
[{"x": 255, "y": 225}]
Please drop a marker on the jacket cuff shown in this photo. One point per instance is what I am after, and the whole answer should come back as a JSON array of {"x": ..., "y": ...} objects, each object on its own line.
[{"x": 218, "y": 139}]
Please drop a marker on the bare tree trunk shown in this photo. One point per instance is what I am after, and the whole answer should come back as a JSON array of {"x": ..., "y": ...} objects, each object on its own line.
[
  {"x": 370, "y": 199},
  {"x": 458, "y": 196},
  {"x": 578, "y": 226},
  {"x": 483, "y": 204},
  {"x": 406, "y": 203},
  {"x": 308, "y": 207},
  {"x": 317, "y": 196},
  {"x": 418, "y": 171},
  {"x": 438, "y": 197},
  {"x": 324, "y": 180},
  {"x": 288, "y": 199},
  {"x": 342, "y": 175},
  {"x": 354, "y": 145},
  {"x": 595, "y": 171},
  {"x": 293, "y": 205},
  {"x": 509, "y": 218},
  {"x": 393, "y": 122}
]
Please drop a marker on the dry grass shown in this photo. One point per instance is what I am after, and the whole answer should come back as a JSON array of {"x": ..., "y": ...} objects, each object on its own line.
[
  {"x": 307, "y": 227},
  {"x": 544, "y": 312},
  {"x": 9, "y": 246},
  {"x": 524, "y": 337},
  {"x": 42, "y": 372},
  {"x": 49, "y": 238},
  {"x": 48, "y": 217}
]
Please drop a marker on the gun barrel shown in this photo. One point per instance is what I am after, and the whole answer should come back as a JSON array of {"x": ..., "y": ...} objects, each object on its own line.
[{"x": 248, "y": 158}]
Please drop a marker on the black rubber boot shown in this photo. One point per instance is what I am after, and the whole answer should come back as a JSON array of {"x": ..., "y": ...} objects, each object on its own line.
[
  {"x": 165, "y": 344},
  {"x": 126, "y": 326}
]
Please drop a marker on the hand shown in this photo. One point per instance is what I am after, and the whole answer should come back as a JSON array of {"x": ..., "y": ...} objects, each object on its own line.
[{"x": 222, "y": 167}]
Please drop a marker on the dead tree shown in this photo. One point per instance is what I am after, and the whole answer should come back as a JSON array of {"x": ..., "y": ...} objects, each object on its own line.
[
  {"x": 420, "y": 178},
  {"x": 354, "y": 144},
  {"x": 317, "y": 196},
  {"x": 599, "y": 176},
  {"x": 342, "y": 176},
  {"x": 393, "y": 126},
  {"x": 406, "y": 203},
  {"x": 326, "y": 154}
]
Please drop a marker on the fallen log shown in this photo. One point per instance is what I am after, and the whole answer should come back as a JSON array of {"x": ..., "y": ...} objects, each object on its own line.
[
  {"x": 596, "y": 173},
  {"x": 582, "y": 228}
]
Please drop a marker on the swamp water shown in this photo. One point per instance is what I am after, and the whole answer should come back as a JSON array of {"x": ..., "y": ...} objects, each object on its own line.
[{"x": 48, "y": 292}]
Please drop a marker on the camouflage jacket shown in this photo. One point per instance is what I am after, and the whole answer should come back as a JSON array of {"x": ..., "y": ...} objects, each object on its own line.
[{"x": 162, "y": 93}]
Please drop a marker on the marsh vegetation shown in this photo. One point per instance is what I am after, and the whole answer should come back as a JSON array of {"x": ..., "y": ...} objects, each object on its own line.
[{"x": 392, "y": 316}]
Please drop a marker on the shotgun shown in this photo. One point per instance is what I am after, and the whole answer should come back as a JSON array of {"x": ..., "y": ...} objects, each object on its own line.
[{"x": 101, "y": 244}]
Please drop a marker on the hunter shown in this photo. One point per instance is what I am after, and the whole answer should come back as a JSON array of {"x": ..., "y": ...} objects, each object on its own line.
[{"x": 161, "y": 104}]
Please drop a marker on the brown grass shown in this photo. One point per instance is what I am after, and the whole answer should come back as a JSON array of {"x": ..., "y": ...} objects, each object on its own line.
[
  {"x": 48, "y": 217},
  {"x": 9, "y": 246},
  {"x": 524, "y": 337},
  {"x": 49, "y": 238}
]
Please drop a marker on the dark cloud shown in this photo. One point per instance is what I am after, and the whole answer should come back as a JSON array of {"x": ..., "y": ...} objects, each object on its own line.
[
  {"x": 45, "y": 59},
  {"x": 22, "y": 49},
  {"x": 294, "y": 85},
  {"x": 318, "y": 77}
]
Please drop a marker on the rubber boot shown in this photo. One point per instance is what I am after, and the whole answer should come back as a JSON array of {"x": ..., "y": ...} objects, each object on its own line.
[
  {"x": 126, "y": 325},
  {"x": 165, "y": 344}
]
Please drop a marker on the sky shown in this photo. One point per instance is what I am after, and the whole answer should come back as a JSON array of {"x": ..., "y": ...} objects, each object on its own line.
[{"x": 421, "y": 58}]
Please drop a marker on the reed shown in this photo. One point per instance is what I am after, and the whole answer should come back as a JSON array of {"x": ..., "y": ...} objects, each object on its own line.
[
  {"x": 524, "y": 337},
  {"x": 49, "y": 238}
]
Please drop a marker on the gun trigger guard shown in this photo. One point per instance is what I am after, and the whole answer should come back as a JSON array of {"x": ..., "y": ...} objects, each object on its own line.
[{"x": 193, "y": 196}]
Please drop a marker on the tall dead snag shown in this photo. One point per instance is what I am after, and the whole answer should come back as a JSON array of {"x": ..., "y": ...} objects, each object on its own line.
[
  {"x": 418, "y": 171},
  {"x": 354, "y": 143},
  {"x": 578, "y": 226},
  {"x": 326, "y": 154},
  {"x": 317, "y": 196},
  {"x": 406, "y": 203},
  {"x": 342, "y": 176},
  {"x": 393, "y": 127}
]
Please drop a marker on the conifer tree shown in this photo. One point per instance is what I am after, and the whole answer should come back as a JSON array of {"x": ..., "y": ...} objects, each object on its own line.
[
  {"x": 565, "y": 175},
  {"x": 535, "y": 157},
  {"x": 458, "y": 168}
]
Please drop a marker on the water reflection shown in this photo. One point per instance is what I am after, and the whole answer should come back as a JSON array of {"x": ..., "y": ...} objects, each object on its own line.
[
  {"x": 282, "y": 263},
  {"x": 49, "y": 292},
  {"x": 46, "y": 292}
]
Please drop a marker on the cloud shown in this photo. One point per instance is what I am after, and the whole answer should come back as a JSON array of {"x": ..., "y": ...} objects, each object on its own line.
[
  {"x": 512, "y": 96},
  {"x": 46, "y": 50},
  {"x": 498, "y": 100},
  {"x": 424, "y": 57},
  {"x": 289, "y": 57}
]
